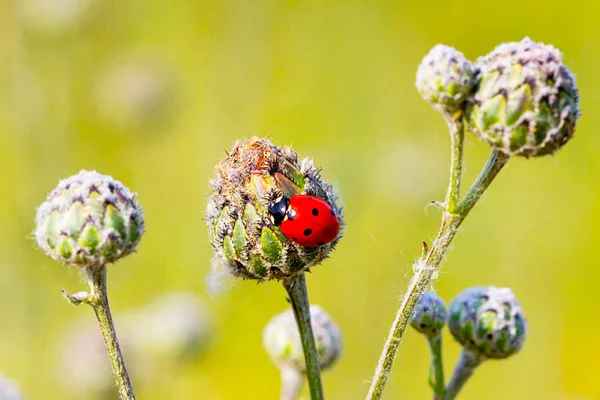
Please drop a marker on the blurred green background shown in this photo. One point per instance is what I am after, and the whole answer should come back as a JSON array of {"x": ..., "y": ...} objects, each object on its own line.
[{"x": 153, "y": 92}]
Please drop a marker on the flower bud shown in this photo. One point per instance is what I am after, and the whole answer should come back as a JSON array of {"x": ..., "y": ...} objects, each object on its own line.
[
  {"x": 283, "y": 344},
  {"x": 526, "y": 101},
  {"x": 429, "y": 315},
  {"x": 243, "y": 235},
  {"x": 445, "y": 78},
  {"x": 89, "y": 220},
  {"x": 488, "y": 322}
]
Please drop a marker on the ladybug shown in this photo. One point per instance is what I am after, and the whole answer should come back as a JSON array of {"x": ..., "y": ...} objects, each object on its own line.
[{"x": 306, "y": 220}]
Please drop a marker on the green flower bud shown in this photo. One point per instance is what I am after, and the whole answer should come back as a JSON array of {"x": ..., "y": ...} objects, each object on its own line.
[
  {"x": 488, "y": 322},
  {"x": 89, "y": 220},
  {"x": 9, "y": 390},
  {"x": 429, "y": 315},
  {"x": 445, "y": 78},
  {"x": 526, "y": 101},
  {"x": 282, "y": 340},
  {"x": 242, "y": 233}
]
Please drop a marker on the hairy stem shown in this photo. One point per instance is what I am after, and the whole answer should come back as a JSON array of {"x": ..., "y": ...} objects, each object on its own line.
[
  {"x": 428, "y": 267},
  {"x": 462, "y": 372},
  {"x": 291, "y": 383},
  {"x": 436, "y": 374},
  {"x": 457, "y": 135},
  {"x": 298, "y": 293},
  {"x": 98, "y": 299}
]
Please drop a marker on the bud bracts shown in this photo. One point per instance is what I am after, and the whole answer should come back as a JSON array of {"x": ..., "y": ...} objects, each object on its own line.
[
  {"x": 429, "y": 315},
  {"x": 488, "y": 321},
  {"x": 282, "y": 340},
  {"x": 526, "y": 102},
  {"x": 243, "y": 235},
  {"x": 89, "y": 220},
  {"x": 445, "y": 78}
]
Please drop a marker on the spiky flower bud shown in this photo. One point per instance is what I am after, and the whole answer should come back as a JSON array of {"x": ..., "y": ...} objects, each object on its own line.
[
  {"x": 445, "y": 78},
  {"x": 89, "y": 220},
  {"x": 245, "y": 240},
  {"x": 488, "y": 322},
  {"x": 429, "y": 315},
  {"x": 526, "y": 101},
  {"x": 282, "y": 340}
]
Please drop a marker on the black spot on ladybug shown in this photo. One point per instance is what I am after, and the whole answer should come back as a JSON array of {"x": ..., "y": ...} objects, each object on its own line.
[
  {"x": 294, "y": 239},
  {"x": 307, "y": 232},
  {"x": 320, "y": 243},
  {"x": 315, "y": 212},
  {"x": 332, "y": 212}
]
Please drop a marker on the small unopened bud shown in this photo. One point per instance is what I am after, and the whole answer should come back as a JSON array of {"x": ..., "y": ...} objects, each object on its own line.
[
  {"x": 243, "y": 233},
  {"x": 282, "y": 340},
  {"x": 429, "y": 315},
  {"x": 526, "y": 102},
  {"x": 89, "y": 220},
  {"x": 488, "y": 322},
  {"x": 445, "y": 78}
]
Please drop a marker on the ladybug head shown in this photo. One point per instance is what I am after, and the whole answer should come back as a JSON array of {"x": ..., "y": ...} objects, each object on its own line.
[{"x": 278, "y": 210}]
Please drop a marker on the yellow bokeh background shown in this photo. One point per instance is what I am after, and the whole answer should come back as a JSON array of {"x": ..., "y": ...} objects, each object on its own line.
[{"x": 153, "y": 93}]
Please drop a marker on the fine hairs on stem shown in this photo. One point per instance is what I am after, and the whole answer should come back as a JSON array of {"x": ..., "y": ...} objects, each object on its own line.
[
  {"x": 429, "y": 266},
  {"x": 98, "y": 300}
]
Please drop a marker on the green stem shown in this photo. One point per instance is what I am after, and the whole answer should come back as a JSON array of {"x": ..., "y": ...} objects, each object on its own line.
[
  {"x": 436, "y": 379},
  {"x": 291, "y": 383},
  {"x": 457, "y": 135},
  {"x": 429, "y": 267},
  {"x": 298, "y": 293},
  {"x": 462, "y": 372},
  {"x": 98, "y": 299}
]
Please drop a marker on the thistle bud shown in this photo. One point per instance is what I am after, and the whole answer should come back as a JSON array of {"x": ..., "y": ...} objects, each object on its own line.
[
  {"x": 429, "y": 315},
  {"x": 488, "y": 322},
  {"x": 445, "y": 78},
  {"x": 89, "y": 220},
  {"x": 282, "y": 340},
  {"x": 526, "y": 101},
  {"x": 242, "y": 231}
]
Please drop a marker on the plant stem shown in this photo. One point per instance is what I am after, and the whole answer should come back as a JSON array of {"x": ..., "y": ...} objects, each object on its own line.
[
  {"x": 291, "y": 383},
  {"x": 98, "y": 299},
  {"x": 436, "y": 377},
  {"x": 462, "y": 372},
  {"x": 428, "y": 267},
  {"x": 457, "y": 135},
  {"x": 296, "y": 289}
]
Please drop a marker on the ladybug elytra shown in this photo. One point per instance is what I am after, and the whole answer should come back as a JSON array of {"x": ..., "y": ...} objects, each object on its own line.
[{"x": 306, "y": 220}]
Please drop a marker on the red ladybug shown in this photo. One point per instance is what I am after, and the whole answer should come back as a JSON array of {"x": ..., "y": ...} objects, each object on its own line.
[{"x": 306, "y": 220}]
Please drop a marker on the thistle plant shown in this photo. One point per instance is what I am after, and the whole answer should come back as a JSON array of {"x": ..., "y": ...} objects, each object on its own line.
[
  {"x": 428, "y": 318},
  {"x": 89, "y": 221},
  {"x": 245, "y": 236},
  {"x": 522, "y": 101},
  {"x": 489, "y": 324},
  {"x": 282, "y": 342}
]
